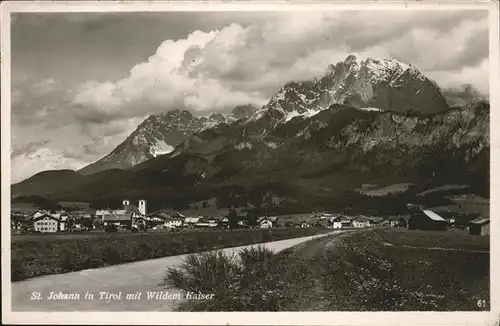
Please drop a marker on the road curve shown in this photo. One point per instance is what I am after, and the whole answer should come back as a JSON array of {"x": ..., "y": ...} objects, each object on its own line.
[{"x": 142, "y": 276}]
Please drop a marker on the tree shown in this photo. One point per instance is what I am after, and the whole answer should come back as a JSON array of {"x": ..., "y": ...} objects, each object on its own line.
[
  {"x": 87, "y": 222},
  {"x": 252, "y": 219},
  {"x": 233, "y": 219}
]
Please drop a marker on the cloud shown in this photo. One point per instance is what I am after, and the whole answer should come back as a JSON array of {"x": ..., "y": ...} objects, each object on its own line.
[
  {"x": 477, "y": 76},
  {"x": 39, "y": 101},
  {"x": 239, "y": 64},
  {"x": 29, "y": 147},
  {"x": 28, "y": 164}
]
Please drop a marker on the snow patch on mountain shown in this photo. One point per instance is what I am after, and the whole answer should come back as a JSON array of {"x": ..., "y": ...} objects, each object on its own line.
[
  {"x": 371, "y": 109},
  {"x": 161, "y": 148},
  {"x": 271, "y": 144},
  {"x": 243, "y": 145}
]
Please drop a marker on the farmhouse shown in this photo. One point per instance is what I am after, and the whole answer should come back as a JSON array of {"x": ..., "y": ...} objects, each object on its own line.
[
  {"x": 337, "y": 225},
  {"x": 266, "y": 222},
  {"x": 173, "y": 222},
  {"x": 62, "y": 217},
  {"x": 399, "y": 223},
  {"x": 46, "y": 223},
  {"x": 480, "y": 226},
  {"x": 117, "y": 219},
  {"x": 213, "y": 223},
  {"x": 360, "y": 224},
  {"x": 427, "y": 220},
  {"x": 346, "y": 222}
]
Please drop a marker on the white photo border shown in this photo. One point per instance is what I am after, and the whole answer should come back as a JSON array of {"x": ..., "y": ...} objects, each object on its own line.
[{"x": 250, "y": 318}]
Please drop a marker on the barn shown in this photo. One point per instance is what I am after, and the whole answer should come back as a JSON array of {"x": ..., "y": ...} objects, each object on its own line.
[
  {"x": 480, "y": 227},
  {"x": 427, "y": 220}
]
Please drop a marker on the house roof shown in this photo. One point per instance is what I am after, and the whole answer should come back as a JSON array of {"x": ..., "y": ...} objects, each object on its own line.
[
  {"x": 40, "y": 212},
  {"x": 156, "y": 219},
  {"x": 129, "y": 209},
  {"x": 116, "y": 217},
  {"x": 102, "y": 212},
  {"x": 270, "y": 218},
  {"x": 44, "y": 216},
  {"x": 481, "y": 221},
  {"x": 433, "y": 215}
]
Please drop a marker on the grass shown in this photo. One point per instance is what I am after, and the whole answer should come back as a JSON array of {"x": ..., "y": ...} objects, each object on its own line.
[
  {"x": 354, "y": 271},
  {"x": 68, "y": 254},
  {"x": 250, "y": 281}
]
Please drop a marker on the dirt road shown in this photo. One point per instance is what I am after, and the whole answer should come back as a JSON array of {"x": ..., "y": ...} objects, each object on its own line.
[{"x": 117, "y": 281}]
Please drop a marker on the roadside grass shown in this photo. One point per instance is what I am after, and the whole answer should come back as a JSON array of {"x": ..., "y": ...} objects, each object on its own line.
[
  {"x": 61, "y": 255},
  {"x": 249, "y": 281},
  {"x": 354, "y": 271}
]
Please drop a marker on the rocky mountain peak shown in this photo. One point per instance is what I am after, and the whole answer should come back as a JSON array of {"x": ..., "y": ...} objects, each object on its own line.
[
  {"x": 159, "y": 134},
  {"x": 386, "y": 84}
]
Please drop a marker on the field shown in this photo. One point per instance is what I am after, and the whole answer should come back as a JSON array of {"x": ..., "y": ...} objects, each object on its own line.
[
  {"x": 466, "y": 204},
  {"x": 98, "y": 234},
  {"x": 362, "y": 270},
  {"x": 52, "y": 254},
  {"x": 372, "y": 190}
]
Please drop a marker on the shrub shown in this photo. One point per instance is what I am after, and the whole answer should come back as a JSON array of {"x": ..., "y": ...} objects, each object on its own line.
[{"x": 247, "y": 282}]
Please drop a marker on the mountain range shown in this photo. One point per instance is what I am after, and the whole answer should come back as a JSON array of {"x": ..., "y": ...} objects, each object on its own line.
[
  {"x": 159, "y": 134},
  {"x": 372, "y": 121}
]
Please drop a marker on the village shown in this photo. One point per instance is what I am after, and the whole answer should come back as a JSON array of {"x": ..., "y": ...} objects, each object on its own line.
[{"x": 74, "y": 217}]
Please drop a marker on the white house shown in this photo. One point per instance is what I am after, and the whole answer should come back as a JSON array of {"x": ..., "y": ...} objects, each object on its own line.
[
  {"x": 266, "y": 222},
  {"x": 337, "y": 225},
  {"x": 62, "y": 217},
  {"x": 173, "y": 223},
  {"x": 46, "y": 223},
  {"x": 360, "y": 224}
]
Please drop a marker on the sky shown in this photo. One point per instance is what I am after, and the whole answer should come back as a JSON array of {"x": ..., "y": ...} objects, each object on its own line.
[{"x": 82, "y": 82}]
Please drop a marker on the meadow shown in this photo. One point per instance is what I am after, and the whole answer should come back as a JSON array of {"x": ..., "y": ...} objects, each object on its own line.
[
  {"x": 360, "y": 270},
  {"x": 43, "y": 254}
]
